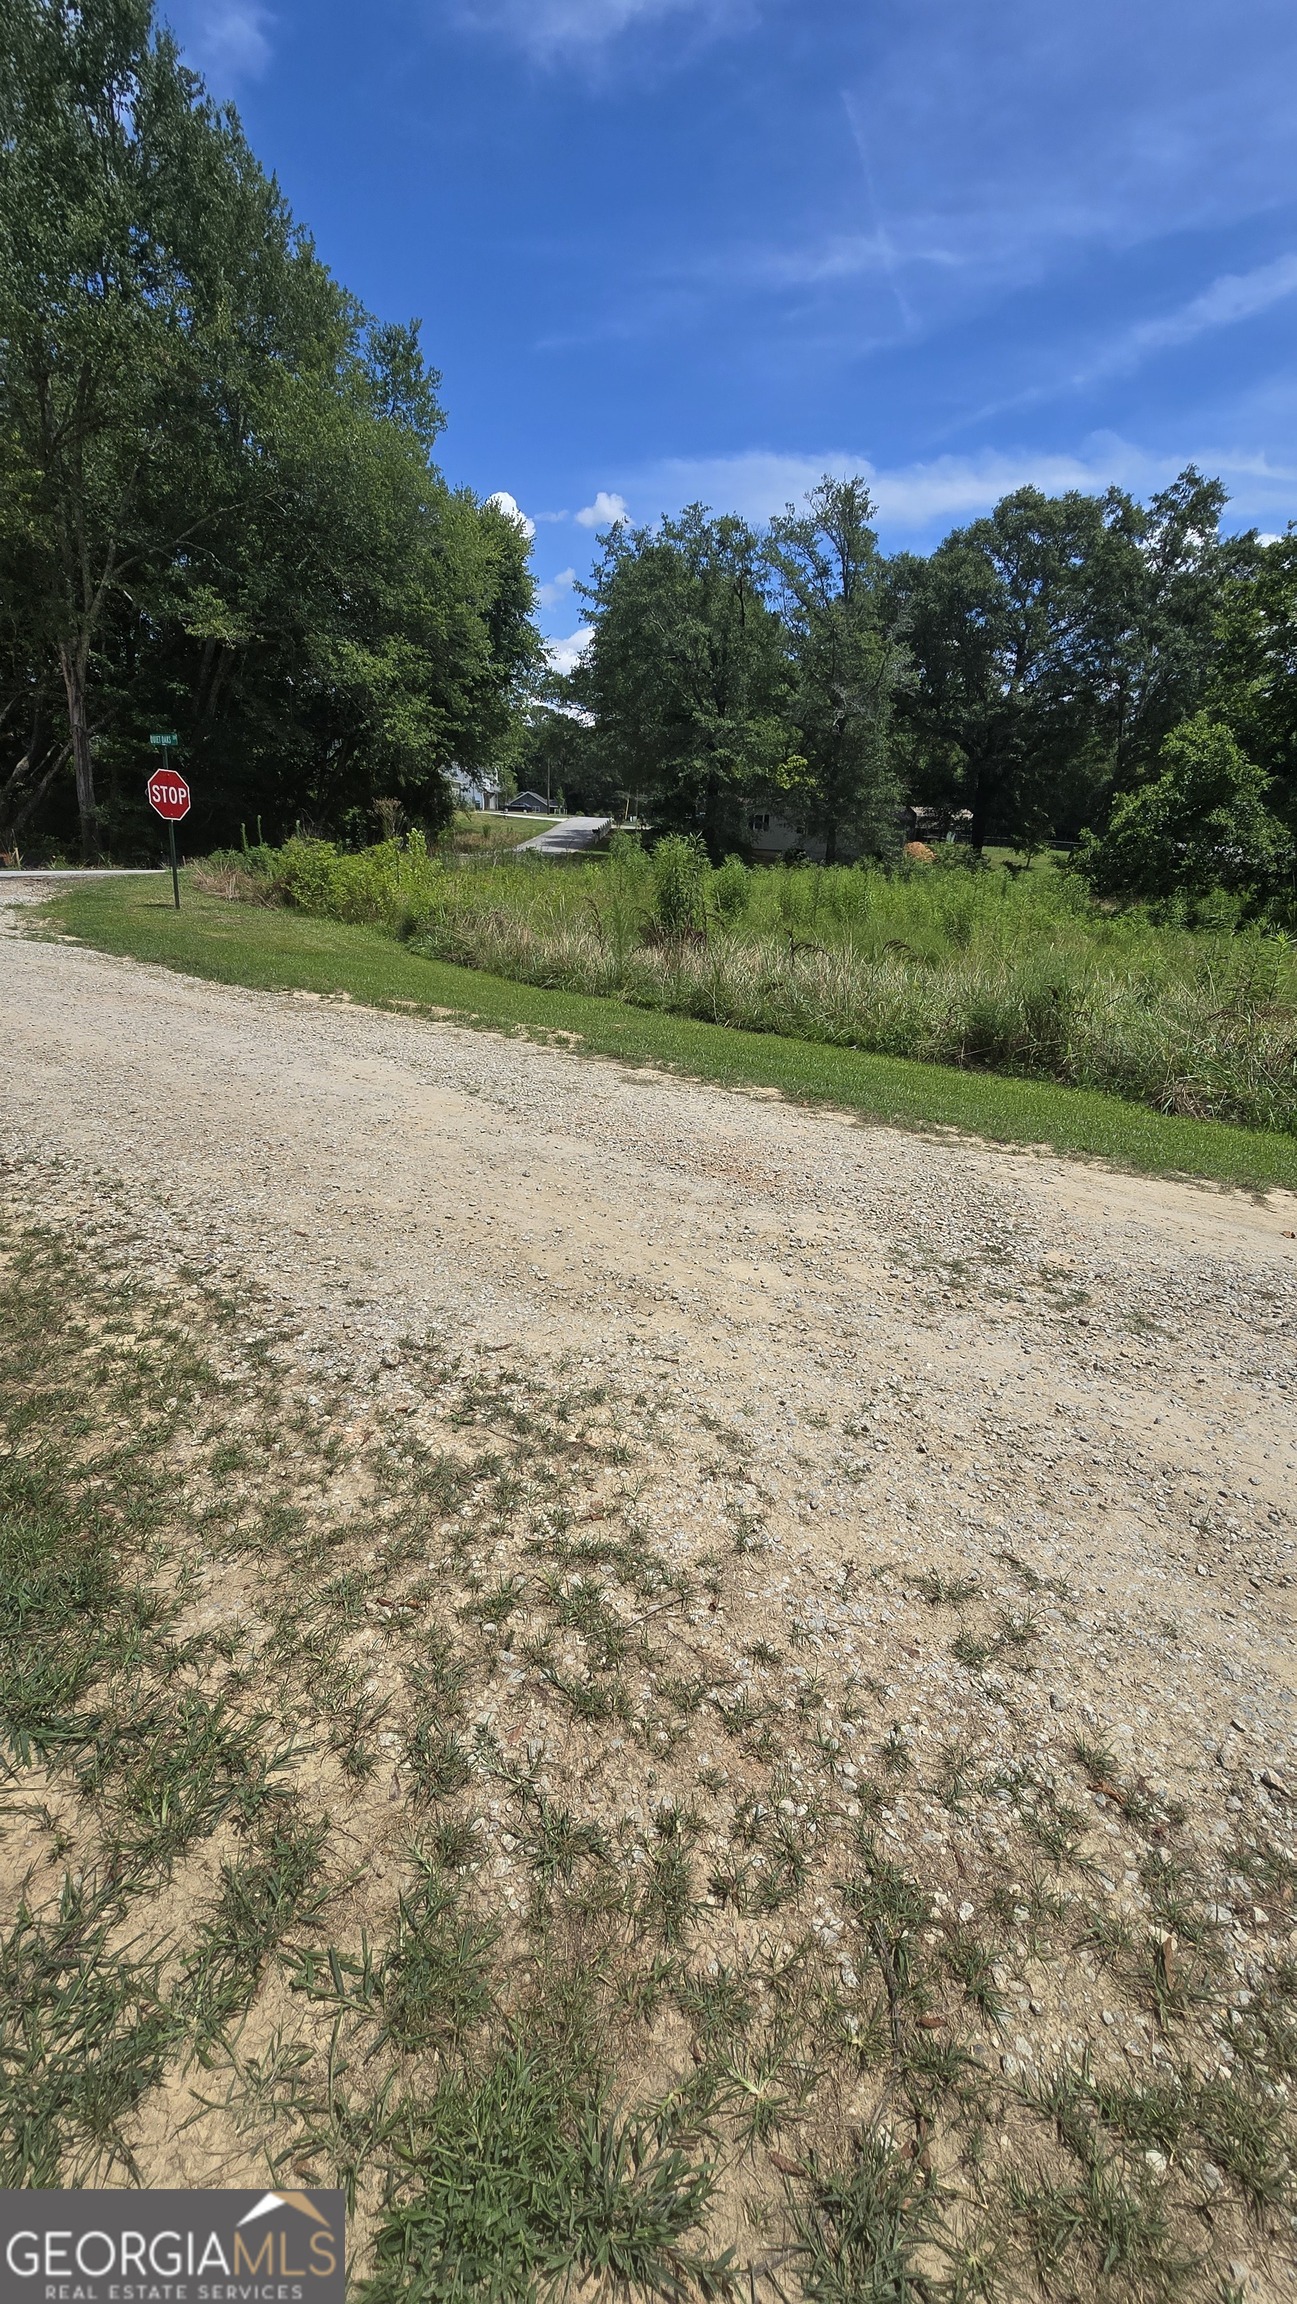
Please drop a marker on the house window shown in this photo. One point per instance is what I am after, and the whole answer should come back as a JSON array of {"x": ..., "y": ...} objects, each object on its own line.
[{"x": 758, "y": 823}]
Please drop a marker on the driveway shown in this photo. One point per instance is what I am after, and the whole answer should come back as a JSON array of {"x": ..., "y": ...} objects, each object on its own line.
[{"x": 567, "y": 838}]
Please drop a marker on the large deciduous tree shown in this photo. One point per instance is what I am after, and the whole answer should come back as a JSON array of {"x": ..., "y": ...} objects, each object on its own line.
[
  {"x": 217, "y": 505},
  {"x": 1253, "y": 678},
  {"x": 847, "y": 663},
  {"x": 1002, "y": 715},
  {"x": 685, "y": 675}
]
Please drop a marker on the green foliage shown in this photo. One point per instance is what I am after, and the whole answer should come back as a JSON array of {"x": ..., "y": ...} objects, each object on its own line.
[
  {"x": 732, "y": 889},
  {"x": 1253, "y": 685},
  {"x": 681, "y": 876},
  {"x": 217, "y": 510},
  {"x": 1201, "y": 825},
  {"x": 847, "y": 663},
  {"x": 520, "y": 2191},
  {"x": 1054, "y": 643},
  {"x": 685, "y": 675}
]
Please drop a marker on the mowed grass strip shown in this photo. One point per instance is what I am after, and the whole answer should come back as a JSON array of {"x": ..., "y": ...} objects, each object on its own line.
[{"x": 276, "y": 950}]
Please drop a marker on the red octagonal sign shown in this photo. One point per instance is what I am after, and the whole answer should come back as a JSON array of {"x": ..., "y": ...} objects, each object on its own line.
[{"x": 169, "y": 795}]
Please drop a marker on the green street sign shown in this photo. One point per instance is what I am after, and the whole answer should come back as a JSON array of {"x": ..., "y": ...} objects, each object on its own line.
[{"x": 164, "y": 739}]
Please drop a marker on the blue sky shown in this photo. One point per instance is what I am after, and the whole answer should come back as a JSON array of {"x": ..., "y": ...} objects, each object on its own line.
[{"x": 671, "y": 249}]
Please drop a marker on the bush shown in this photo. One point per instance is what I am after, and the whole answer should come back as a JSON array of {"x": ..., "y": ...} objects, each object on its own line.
[{"x": 732, "y": 889}]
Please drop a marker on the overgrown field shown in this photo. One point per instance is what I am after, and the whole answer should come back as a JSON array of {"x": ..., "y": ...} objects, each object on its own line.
[
  {"x": 1020, "y": 973},
  {"x": 395, "y": 1796}
]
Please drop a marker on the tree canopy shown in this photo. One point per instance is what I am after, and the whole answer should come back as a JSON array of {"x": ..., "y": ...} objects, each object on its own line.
[{"x": 218, "y": 510}]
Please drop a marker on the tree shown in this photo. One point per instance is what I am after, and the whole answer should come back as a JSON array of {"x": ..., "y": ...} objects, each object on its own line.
[
  {"x": 1002, "y": 714},
  {"x": 110, "y": 208},
  {"x": 847, "y": 663},
  {"x": 1253, "y": 680},
  {"x": 218, "y": 510},
  {"x": 556, "y": 754},
  {"x": 1155, "y": 613},
  {"x": 1201, "y": 823},
  {"x": 685, "y": 675}
]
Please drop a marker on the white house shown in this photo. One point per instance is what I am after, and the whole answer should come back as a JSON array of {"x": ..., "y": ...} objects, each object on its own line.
[{"x": 772, "y": 836}]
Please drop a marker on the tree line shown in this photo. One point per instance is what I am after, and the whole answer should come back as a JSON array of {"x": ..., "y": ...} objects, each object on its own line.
[
  {"x": 1070, "y": 668},
  {"x": 221, "y": 516},
  {"x": 219, "y": 513}
]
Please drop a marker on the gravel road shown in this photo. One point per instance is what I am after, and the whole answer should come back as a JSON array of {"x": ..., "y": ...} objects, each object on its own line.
[{"x": 937, "y": 1351}]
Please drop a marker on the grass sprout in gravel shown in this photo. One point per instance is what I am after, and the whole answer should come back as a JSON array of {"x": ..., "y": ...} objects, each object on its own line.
[{"x": 400, "y": 1793}]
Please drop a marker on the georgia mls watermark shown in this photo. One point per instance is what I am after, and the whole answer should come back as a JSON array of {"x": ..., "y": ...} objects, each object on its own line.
[{"x": 171, "y": 2248}]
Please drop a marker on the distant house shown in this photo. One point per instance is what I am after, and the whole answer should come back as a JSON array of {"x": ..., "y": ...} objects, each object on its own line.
[
  {"x": 475, "y": 789},
  {"x": 528, "y": 804},
  {"x": 771, "y": 837}
]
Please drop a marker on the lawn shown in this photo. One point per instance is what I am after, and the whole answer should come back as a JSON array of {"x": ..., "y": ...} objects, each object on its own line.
[
  {"x": 277, "y": 949},
  {"x": 475, "y": 832}
]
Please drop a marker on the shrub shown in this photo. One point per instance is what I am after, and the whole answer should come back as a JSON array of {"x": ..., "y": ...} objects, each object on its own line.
[
  {"x": 680, "y": 876},
  {"x": 732, "y": 889},
  {"x": 1202, "y": 824}
]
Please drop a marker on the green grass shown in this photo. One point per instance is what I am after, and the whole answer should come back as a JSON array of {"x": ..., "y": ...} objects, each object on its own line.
[
  {"x": 476, "y": 834},
  {"x": 275, "y": 949}
]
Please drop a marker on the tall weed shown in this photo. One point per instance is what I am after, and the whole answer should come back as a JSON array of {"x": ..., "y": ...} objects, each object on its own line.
[{"x": 1017, "y": 973}]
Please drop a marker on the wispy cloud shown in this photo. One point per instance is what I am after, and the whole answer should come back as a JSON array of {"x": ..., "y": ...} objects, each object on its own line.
[
  {"x": 550, "y": 28},
  {"x": 557, "y": 588},
  {"x": 1235, "y": 296},
  {"x": 1229, "y": 300},
  {"x": 996, "y": 141},
  {"x": 229, "y": 40},
  {"x": 605, "y": 512}
]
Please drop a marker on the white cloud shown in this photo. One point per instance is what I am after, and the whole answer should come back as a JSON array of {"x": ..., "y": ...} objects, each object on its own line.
[
  {"x": 605, "y": 512},
  {"x": 512, "y": 510},
  {"x": 917, "y": 502},
  {"x": 564, "y": 655},
  {"x": 229, "y": 40},
  {"x": 549, "y": 594}
]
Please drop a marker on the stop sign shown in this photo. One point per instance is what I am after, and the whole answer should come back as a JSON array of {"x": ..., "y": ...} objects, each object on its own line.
[{"x": 168, "y": 795}]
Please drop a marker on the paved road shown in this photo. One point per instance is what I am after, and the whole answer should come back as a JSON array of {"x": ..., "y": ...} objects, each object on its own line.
[
  {"x": 567, "y": 838},
  {"x": 30, "y": 881}
]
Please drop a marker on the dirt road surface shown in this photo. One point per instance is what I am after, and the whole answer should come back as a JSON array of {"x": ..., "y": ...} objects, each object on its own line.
[
  {"x": 943, "y": 1360},
  {"x": 1037, "y": 1353}
]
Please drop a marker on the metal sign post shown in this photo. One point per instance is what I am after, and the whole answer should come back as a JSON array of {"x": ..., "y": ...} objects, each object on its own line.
[{"x": 169, "y": 798}]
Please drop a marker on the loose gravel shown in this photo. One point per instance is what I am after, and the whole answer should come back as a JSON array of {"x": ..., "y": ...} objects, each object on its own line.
[{"x": 928, "y": 1359}]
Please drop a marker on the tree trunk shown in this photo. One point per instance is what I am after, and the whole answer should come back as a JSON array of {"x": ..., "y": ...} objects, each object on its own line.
[
  {"x": 74, "y": 681},
  {"x": 18, "y": 816},
  {"x": 831, "y": 841},
  {"x": 978, "y": 811},
  {"x": 711, "y": 798}
]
